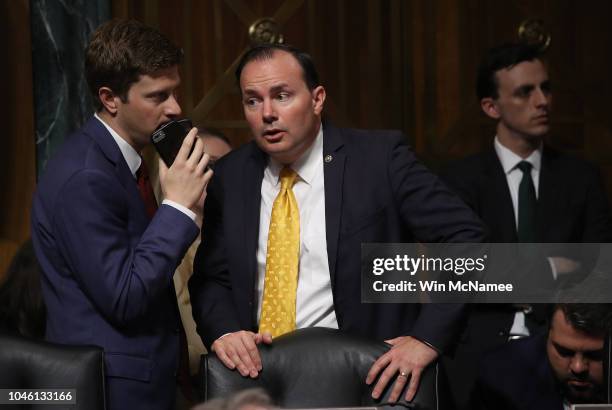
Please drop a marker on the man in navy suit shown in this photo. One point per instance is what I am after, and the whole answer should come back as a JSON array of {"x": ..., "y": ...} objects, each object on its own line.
[
  {"x": 549, "y": 371},
  {"x": 567, "y": 203},
  {"x": 352, "y": 187},
  {"x": 106, "y": 253}
]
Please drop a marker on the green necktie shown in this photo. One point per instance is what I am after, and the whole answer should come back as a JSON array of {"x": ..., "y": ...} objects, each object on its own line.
[{"x": 527, "y": 204}]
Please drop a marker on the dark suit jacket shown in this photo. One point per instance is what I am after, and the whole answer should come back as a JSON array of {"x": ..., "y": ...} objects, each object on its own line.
[
  {"x": 375, "y": 191},
  {"x": 572, "y": 206},
  {"x": 107, "y": 268},
  {"x": 517, "y": 376}
]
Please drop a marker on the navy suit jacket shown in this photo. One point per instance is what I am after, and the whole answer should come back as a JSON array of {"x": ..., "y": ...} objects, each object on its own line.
[
  {"x": 517, "y": 376},
  {"x": 375, "y": 191},
  {"x": 107, "y": 268}
]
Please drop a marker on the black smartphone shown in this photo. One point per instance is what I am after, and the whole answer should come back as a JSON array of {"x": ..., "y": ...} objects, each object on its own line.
[{"x": 169, "y": 137}]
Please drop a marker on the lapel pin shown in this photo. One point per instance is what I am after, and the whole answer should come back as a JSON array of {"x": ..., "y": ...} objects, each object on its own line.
[{"x": 328, "y": 158}]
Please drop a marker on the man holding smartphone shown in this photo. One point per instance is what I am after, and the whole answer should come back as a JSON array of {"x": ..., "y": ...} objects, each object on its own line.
[{"x": 107, "y": 253}]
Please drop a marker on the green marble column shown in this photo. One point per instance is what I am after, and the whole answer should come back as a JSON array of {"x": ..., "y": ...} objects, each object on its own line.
[{"x": 60, "y": 32}]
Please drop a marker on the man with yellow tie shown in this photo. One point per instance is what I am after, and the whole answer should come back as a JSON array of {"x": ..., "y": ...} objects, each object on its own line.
[{"x": 286, "y": 215}]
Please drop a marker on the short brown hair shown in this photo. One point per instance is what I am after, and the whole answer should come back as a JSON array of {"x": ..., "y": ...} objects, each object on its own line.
[
  {"x": 120, "y": 51},
  {"x": 266, "y": 51}
]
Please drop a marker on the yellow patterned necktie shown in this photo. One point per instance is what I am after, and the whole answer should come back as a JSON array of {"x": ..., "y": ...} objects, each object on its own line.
[{"x": 282, "y": 261}]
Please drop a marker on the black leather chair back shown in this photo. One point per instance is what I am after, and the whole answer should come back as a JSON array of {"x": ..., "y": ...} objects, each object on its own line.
[
  {"x": 28, "y": 364},
  {"x": 318, "y": 367}
]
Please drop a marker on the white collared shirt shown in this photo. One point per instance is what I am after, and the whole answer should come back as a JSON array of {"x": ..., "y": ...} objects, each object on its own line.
[
  {"x": 133, "y": 160},
  {"x": 314, "y": 304},
  {"x": 509, "y": 160}
]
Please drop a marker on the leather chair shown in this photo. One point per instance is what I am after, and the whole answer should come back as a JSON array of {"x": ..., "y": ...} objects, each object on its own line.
[
  {"x": 319, "y": 367},
  {"x": 28, "y": 364}
]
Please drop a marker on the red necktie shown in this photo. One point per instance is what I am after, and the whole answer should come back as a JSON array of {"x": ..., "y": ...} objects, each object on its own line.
[
  {"x": 148, "y": 197},
  {"x": 146, "y": 190}
]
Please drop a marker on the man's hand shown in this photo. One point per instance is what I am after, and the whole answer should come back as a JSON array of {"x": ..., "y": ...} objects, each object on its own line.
[
  {"x": 239, "y": 350},
  {"x": 185, "y": 181},
  {"x": 408, "y": 357}
]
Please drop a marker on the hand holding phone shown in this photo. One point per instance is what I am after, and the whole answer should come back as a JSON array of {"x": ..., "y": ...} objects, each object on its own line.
[
  {"x": 186, "y": 180},
  {"x": 169, "y": 137}
]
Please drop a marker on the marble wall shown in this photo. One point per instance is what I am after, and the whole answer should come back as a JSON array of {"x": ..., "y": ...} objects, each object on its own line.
[{"x": 60, "y": 32}]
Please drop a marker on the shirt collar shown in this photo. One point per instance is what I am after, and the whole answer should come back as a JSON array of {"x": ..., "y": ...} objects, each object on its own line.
[
  {"x": 130, "y": 155},
  {"x": 307, "y": 165},
  {"x": 509, "y": 160}
]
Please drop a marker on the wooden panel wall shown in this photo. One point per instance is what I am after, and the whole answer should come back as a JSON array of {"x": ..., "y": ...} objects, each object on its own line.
[
  {"x": 407, "y": 64},
  {"x": 399, "y": 64},
  {"x": 17, "y": 154}
]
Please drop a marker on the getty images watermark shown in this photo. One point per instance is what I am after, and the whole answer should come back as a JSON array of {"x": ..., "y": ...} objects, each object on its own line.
[{"x": 488, "y": 273}]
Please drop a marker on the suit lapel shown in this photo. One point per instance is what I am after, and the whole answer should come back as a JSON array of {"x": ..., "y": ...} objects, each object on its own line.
[
  {"x": 333, "y": 171},
  {"x": 96, "y": 130},
  {"x": 252, "y": 177},
  {"x": 549, "y": 189},
  {"x": 499, "y": 199}
]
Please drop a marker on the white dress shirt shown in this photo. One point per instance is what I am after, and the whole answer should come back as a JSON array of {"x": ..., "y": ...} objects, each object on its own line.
[
  {"x": 509, "y": 161},
  {"x": 314, "y": 304},
  {"x": 133, "y": 160}
]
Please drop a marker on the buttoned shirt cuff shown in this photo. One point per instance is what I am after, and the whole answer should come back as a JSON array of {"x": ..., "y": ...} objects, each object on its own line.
[{"x": 181, "y": 208}]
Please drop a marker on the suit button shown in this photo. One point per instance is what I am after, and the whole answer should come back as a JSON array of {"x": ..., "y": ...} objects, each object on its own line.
[
  {"x": 177, "y": 330},
  {"x": 502, "y": 333}
]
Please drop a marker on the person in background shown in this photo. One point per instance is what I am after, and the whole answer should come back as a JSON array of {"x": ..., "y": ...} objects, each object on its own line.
[
  {"x": 249, "y": 399},
  {"x": 550, "y": 371},
  {"x": 216, "y": 145},
  {"x": 524, "y": 191}
]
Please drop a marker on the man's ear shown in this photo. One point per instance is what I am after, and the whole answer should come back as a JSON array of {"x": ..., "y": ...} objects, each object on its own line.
[
  {"x": 489, "y": 106},
  {"x": 318, "y": 99},
  {"x": 108, "y": 99}
]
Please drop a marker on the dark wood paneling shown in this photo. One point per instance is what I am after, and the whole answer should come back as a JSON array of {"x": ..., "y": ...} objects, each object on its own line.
[
  {"x": 17, "y": 156},
  {"x": 405, "y": 64},
  {"x": 385, "y": 63}
]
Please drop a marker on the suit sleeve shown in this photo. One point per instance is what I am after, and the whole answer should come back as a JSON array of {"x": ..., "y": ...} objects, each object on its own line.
[
  {"x": 210, "y": 288},
  {"x": 434, "y": 214},
  {"x": 122, "y": 277},
  {"x": 462, "y": 185},
  {"x": 432, "y": 211}
]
